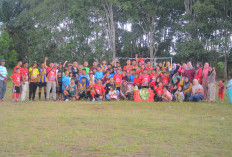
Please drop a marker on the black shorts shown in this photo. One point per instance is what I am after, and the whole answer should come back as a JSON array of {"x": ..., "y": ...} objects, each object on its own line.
[
  {"x": 59, "y": 89},
  {"x": 97, "y": 95},
  {"x": 16, "y": 89},
  {"x": 42, "y": 84}
]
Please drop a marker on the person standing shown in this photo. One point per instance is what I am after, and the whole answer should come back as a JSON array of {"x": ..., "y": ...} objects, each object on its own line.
[
  {"x": 198, "y": 75},
  {"x": 205, "y": 80},
  {"x": 3, "y": 79},
  {"x": 42, "y": 79},
  {"x": 211, "y": 84},
  {"x": 18, "y": 66},
  {"x": 33, "y": 79},
  {"x": 25, "y": 83},
  {"x": 52, "y": 81}
]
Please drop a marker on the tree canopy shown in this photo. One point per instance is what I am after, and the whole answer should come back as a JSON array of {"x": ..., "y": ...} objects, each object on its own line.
[{"x": 188, "y": 30}]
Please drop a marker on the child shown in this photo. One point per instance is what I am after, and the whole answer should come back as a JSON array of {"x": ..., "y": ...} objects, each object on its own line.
[
  {"x": 166, "y": 94},
  {"x": 70, "y": 76},
  {"x": 221, "y": 91},
  {"x": 16, "y": 79},
  {"x": 70, "y": 91},
  {"x": 99, "y": 90},
  {"x": 82, "y": 89},
  {"x": 124, "y": 75},
  {"x": 59, "y": 86},
  {"x": 165, "y": 79},
  {"x": 118, "y": 79},
  {"x": 159, "y": 92},
  {"x": 113, "y": 93},
  {"x": 132, "y": 76},
  {"x": 98, "y": 74},
  {"x": 90, "y": 91},
  {"x": 179, "y": 95},
  {"x": 137, "y": 81}
]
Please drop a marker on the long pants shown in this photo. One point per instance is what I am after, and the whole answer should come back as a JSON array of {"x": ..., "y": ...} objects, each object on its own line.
[
  {"x": 211, "y": 91},
  {"x": 179, "y": 98},
  {"x": 196, "y": 98},
  {"x": 24, "y": 91},
  {"x": 2, "y": 89},
  {"x": 32, "y": 90},
  {"x": 51, "y": 85},
  {"x": 108, "y": 96}
]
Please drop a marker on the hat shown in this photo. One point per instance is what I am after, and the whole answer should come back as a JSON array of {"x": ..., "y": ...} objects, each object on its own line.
[
  {"x": 2, "y": 60},
  {"x": 60, "y": 62}
]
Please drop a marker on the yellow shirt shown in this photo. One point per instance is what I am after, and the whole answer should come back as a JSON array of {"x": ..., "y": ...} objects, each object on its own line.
[{"x": 33, "y": 73}]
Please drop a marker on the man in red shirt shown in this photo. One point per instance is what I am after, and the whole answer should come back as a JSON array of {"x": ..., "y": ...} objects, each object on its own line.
[
  {"x": 18, "y": 66},
  {"x": 128, "y": 66},
  {"x": 24, "y": 72},
  {"x": 153, "y": 77},
  {"x": 16, "y": 79},
  {"x": 52, "y": 81},
  {"x": 99, "y": 90},
  {"x": 145, "y": 79},
  {"x": 149, "y": 67}
]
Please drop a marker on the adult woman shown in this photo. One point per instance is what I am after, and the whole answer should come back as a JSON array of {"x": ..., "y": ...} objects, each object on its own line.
[
  {"x": 198, "y": 75},
  {"x": 211, "y": 84},
  {"x": 190, "y": 72},
  {"x": 197, "y": 92},
  {"x": 205, "y": 80}
]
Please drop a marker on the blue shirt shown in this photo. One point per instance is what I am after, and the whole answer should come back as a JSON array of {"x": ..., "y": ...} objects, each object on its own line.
[
  {"x": 3, "y": 72},
  {"x": 66, "y": 81},
  {"x": 98, "y": 75},
  {"x": 131, "y": 78}
]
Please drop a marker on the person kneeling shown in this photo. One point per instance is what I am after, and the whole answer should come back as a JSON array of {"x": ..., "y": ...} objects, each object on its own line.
[
  {"x": 113, "y": 93},
  {"x": 71, "y": 91},
  {"x": 82, "y": 89},
  {"x": 197, "y": 92}
]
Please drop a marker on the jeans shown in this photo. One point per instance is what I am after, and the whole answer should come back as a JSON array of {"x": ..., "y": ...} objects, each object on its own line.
[
  {"x": 196, "y": 98},
  {"x": 108, "y": 96},
  {"x": 2, "y": 89},
  {"x": 32, "y": 90},
  {"x": 24, "y": 91},
  {"x": 51, "y": 85}
]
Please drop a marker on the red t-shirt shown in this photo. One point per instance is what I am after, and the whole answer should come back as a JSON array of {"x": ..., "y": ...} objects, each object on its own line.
[
  {"x": 118, "y": 78},
  {"x": 142, "y": 60},
  {"x": 165, "y": 80},
  {"x": 99, "y": 89},
  {"x": 137, "y": 81},
  {"x": 17, "y": 79},
  {"x": 145, "y": 78},
  {"x": 24, "y": 72},
  {"x": 159, "y": 90},
  {"x": 51, "y": 75},
  {"x": 17, "y": 67},
  {"x": 153, "y": 77},
  {"x": 128, "y": 68},
  {"x": 149, "y": 68}
]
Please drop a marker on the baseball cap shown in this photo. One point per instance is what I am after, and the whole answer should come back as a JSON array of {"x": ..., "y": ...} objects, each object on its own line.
[{"x": 2, "y": 60}]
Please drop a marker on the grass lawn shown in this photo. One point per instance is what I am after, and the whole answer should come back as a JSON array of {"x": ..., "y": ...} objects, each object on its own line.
[{"x": 115, "y": 129}]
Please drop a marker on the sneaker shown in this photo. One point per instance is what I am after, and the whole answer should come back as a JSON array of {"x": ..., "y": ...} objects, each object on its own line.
[
  {"x": 66, "y": 100},
  {"x": 93, "y": 100}
]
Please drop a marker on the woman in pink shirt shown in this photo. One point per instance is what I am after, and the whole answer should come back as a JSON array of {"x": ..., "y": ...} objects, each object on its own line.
[{"x": 166, "y": 95}]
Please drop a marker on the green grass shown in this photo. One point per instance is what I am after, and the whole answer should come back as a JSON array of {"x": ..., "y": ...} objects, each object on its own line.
[{"x": 115, "y": 129}]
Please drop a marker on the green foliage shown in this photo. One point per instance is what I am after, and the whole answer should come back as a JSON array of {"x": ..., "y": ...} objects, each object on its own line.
[{"x": 7, "y": 51}]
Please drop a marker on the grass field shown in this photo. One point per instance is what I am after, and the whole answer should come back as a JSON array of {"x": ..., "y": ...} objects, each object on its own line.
[{"x": 115, "y": 129}]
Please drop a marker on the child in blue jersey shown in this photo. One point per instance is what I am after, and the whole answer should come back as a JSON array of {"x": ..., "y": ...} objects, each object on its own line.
[
  {"x": 83, "y": 74},
  {"x": 98, "y": 74},
  {"x": 65, "y": 80},
  {"x": 132, "y": 76}
]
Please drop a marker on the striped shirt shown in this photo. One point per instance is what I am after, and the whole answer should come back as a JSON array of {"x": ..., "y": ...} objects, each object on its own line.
[
  {"x": 42, "y": 75},
  {"x": 3, "y": 72}
]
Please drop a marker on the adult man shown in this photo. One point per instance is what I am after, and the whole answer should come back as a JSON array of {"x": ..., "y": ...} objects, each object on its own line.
[
  {"x": 24, "y": 72},
  {"x": 18, "y": 66},
  {"x": 75, "y": 71},
  {"x": 3, "y": 79},
  {"x": 52, "y": 81}
]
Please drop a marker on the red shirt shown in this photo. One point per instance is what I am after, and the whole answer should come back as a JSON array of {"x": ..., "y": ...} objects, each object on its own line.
[
  {"x": 118, "y": 78},
  {"x": 99, "y": 89},
  {"x": 24, "y": 72},
  {"x": 153, "y": 77},
  {"x": 128, "y": 68},
  {"x": 165, "y": 80},
  {"x": 16, "y": 78},
  {"x": 145, "y": 79},
  {"x": 17, "y": 67},
  {"x": 51, "y": 75},
  {"x": 142, "y": 60},
  {"x": 137, "y": 81},
  {"x": 149, "y": 68},
  {"x": 159, "y": 90}
]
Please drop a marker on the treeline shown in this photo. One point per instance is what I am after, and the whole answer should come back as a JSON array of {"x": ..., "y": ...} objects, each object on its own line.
[{"x": 188, "y": 30}]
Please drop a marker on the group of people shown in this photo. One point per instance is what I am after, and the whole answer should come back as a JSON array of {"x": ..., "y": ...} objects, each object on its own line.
[{"x": 112, "y": 82}]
